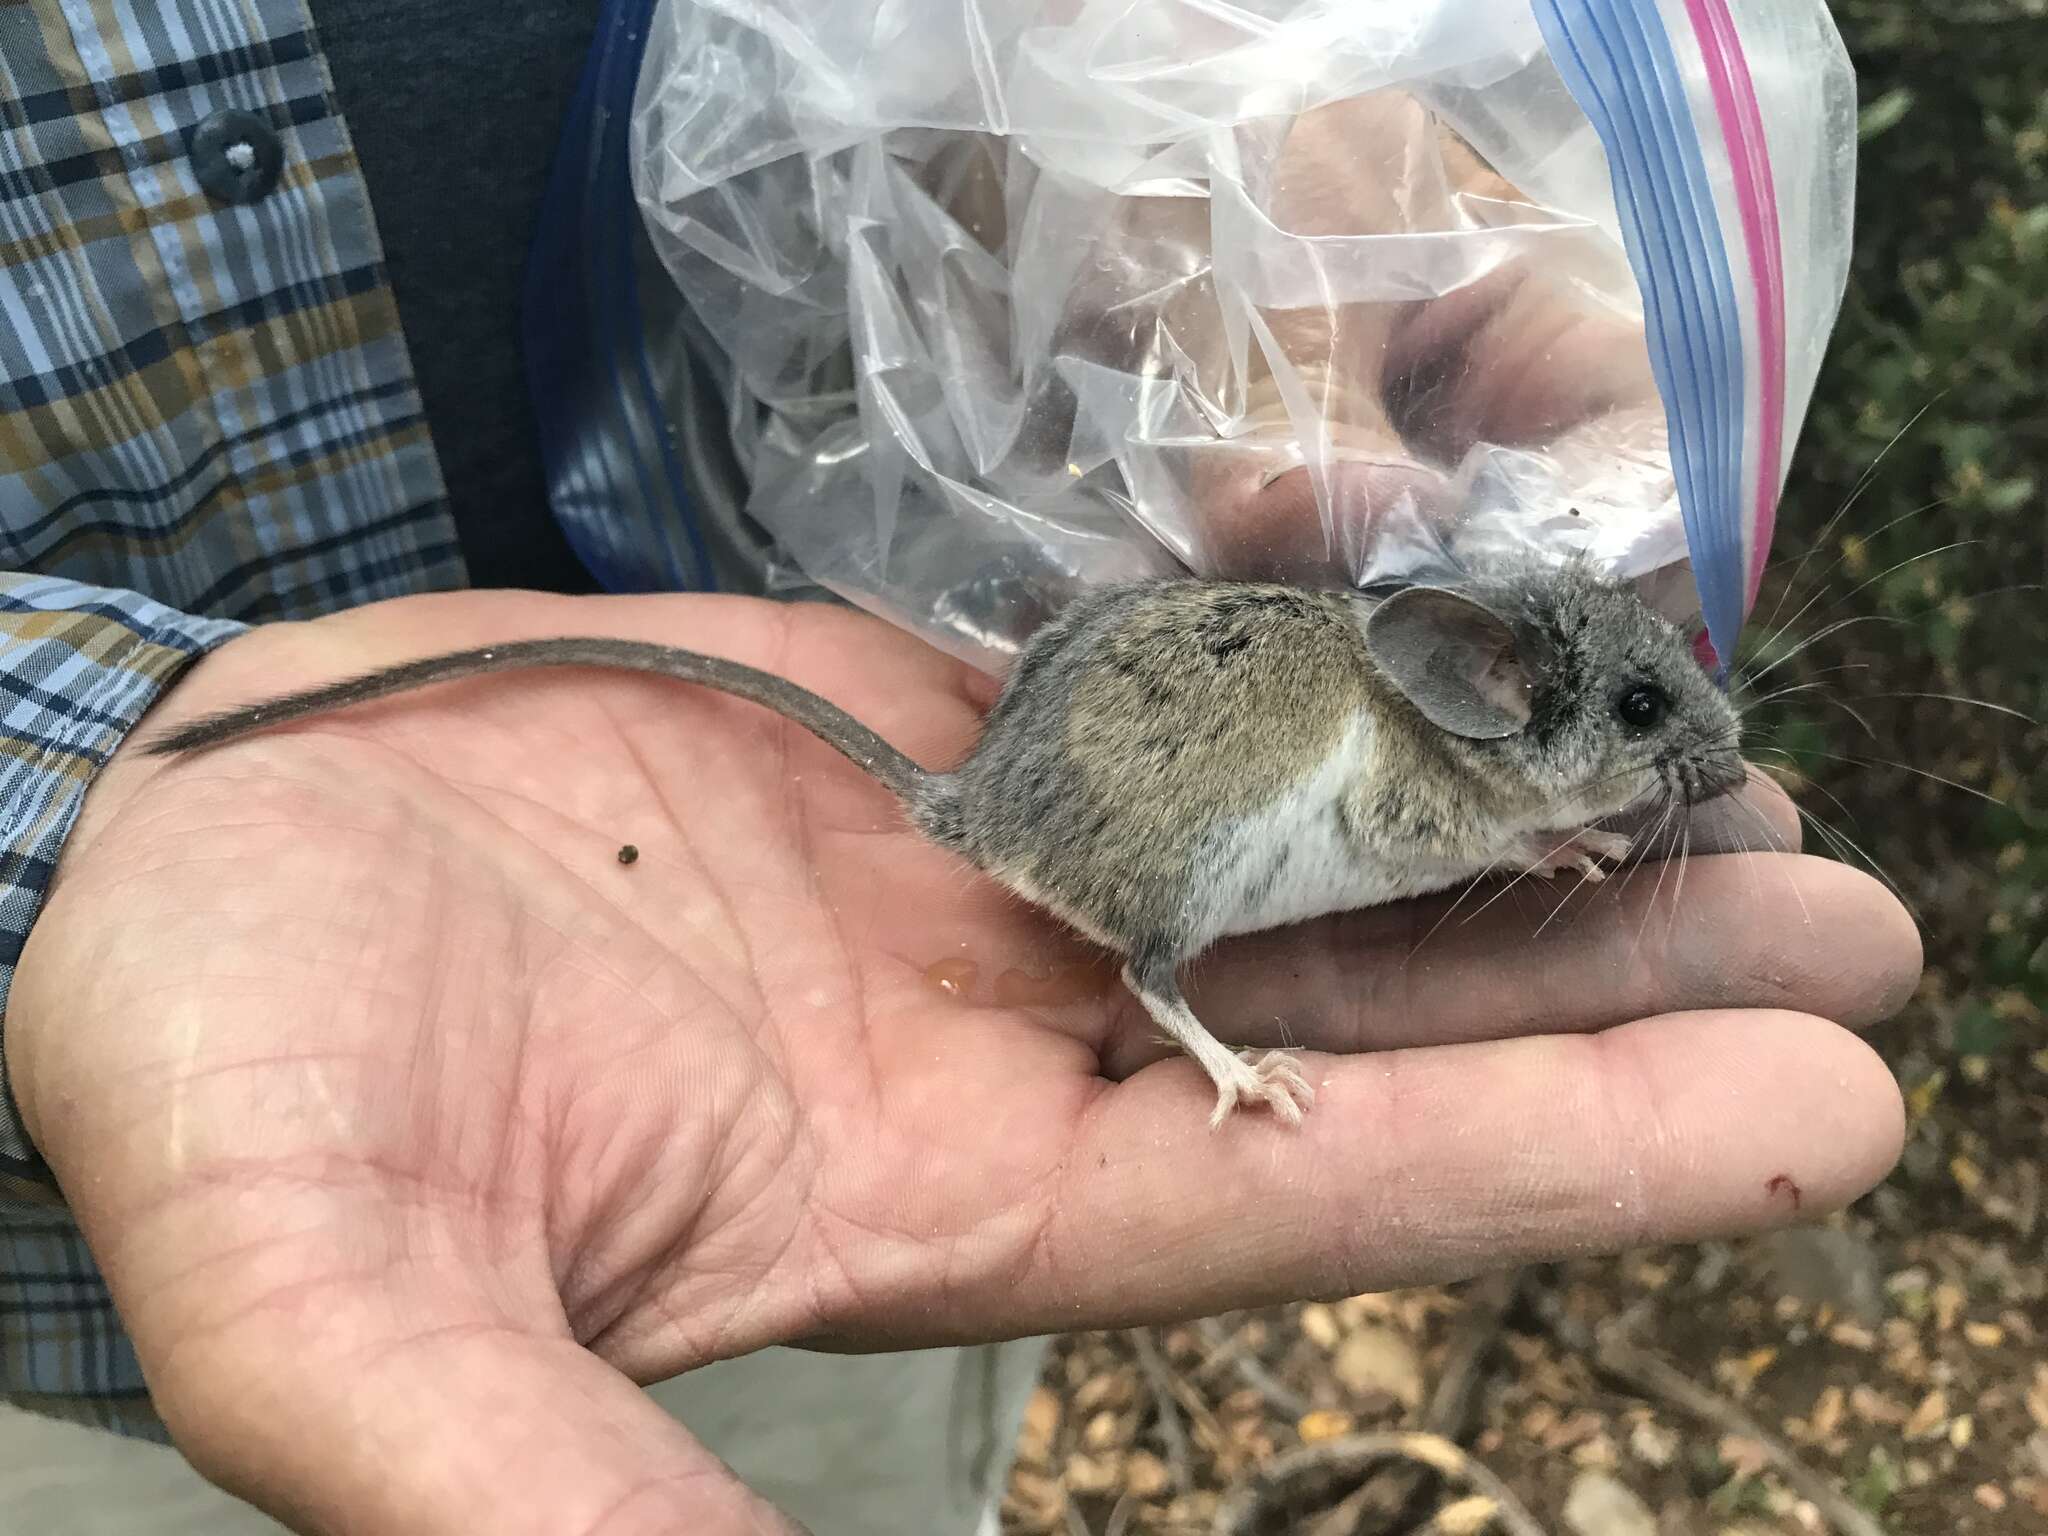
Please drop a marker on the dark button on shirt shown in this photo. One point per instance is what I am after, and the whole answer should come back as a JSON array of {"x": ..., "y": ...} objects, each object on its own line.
[{"x": 237, "y": 157}]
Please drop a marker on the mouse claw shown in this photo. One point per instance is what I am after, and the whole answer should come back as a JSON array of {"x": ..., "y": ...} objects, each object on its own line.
[{"x": 1272, "y": 1078}]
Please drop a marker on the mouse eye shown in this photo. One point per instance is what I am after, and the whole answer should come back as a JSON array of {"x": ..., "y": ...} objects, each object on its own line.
[{"x": 1643, "y": 707}]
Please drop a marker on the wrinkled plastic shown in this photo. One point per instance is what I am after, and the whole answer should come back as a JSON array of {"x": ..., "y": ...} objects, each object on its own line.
[{"x": 1018, "y": 296}]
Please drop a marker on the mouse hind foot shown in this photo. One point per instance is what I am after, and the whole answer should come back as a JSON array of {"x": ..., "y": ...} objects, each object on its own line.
[{"x": 1273, "y": 1079}]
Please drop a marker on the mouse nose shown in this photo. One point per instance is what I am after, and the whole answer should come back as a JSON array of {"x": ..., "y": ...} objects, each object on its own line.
[
  {"x": 1349, "y": 520},
  {"x": 1710, "y": 771}
]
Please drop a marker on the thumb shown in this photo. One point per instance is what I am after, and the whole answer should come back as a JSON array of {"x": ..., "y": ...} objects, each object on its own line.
[{"x": 453, "y": 1429}]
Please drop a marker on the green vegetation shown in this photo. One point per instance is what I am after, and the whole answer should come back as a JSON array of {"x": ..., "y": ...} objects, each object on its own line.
[{"x": 1942, "y": 353}]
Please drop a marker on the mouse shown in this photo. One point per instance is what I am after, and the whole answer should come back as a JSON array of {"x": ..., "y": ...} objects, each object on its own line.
[{"x": 1174, "y": 761}]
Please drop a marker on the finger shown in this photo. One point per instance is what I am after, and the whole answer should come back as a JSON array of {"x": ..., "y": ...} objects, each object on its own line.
[
  {"x": 445, "y": 1430},
  {"x": 1770, "y": 931},
  {"x": 1428, "y": 1165}
]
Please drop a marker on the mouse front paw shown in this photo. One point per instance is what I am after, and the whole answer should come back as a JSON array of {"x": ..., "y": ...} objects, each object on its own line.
[
  {"x": 1604, "y": 845},
  {"x": 1270, "y": 1078},
  {"x": 1581, "y": 856}
]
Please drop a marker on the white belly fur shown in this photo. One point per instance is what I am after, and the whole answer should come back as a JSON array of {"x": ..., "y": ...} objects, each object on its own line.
[{"x": 1325, "y": 870}]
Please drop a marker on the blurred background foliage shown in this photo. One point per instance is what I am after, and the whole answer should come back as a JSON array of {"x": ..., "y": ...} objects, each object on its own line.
[{"x": 1942, "y": 354}]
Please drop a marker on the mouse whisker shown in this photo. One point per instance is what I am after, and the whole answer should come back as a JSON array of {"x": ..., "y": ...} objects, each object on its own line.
[
  {"x": 1839, "y": 843},
  {"x": 1635, "y": 843},
  {"x": 1580, "y": 791},
  {"x": 1684, "y": 857},
  {"x": 1844, "y": 846},
  {"x": 1791, "y": 690},
  {"x": 1745, "y": 678},
  {"x": 1827, "y": 698},
  {"x": 1761, "y": 662},
  {"x": 1920, "y": 773},
  {"x": 1649, "y": 910},
  {"x": 1957, "y": 698},
  {"x": 1564, "y": 903},
  {"x": 1755, "y": 874},
  {"x": 1654, "y": 834},
  {"x": 1451, "y": 911},
  {"x": 1863, "y": 483},
  {"x": 1823, "y": 633},
  {"x": 1745, "y": 706},
  {"x": 1518, "y": 878},
  {"x": 1820, "y": 592}
]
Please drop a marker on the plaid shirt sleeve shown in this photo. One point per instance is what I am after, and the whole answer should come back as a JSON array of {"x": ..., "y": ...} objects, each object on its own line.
[
  {"x": 78, "y": 666},
  {"x": 207, "y": 419}
]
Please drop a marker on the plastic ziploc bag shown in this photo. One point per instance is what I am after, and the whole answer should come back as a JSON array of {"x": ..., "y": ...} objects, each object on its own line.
[{"x": 1017, "y": 296}]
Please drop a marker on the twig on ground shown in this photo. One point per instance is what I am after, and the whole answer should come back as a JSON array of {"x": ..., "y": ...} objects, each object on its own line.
[
  {"x": 1222, "y": 1347},
  {"x": 1346, "y": 1518},
  {"x": 1390, "y": 1471},
  {"x": 1450, "y": 1408},
  {"x": 1159, "y": 1377},
  {"x": 1231, "y": 1349},
  {"x": 1461, "y": 1518},
  {"x": 1345, "y": 1460},
  {"x": 1614, "y": 1354},
  {"x": 1449, "y": 1411}
]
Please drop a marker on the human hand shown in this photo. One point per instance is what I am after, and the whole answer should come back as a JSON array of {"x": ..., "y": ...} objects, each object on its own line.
[
  {"x": 411, "y": 1128},
  {"x": 1346, "y": 454}
]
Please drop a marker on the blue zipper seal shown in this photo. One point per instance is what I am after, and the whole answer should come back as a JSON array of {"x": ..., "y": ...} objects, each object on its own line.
[{"x": 1617, "y": 61}]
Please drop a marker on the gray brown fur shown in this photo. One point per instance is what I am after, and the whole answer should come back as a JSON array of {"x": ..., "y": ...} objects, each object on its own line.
[
  {"x": 1173, "y": 761},
  {"x": 1147, "y": 717},
  {"x": 1143, "y": 718}
]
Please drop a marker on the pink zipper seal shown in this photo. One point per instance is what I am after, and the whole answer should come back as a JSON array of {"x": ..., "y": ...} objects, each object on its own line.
[{"x": 1756, "y": 197}]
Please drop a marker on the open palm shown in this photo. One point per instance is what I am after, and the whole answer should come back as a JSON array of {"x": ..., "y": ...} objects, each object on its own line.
[{"x": 412, "y": 1126}]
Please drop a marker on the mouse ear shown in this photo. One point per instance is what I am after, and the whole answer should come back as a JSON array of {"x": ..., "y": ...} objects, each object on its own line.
[{"x": 1454, "y": 659}]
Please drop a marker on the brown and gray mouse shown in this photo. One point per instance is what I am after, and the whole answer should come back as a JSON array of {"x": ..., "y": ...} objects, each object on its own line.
[{"x": 1173, "y": 762}]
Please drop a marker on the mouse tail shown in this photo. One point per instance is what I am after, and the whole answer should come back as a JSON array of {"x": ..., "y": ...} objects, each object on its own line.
[{"x": 924, "y": 795}]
